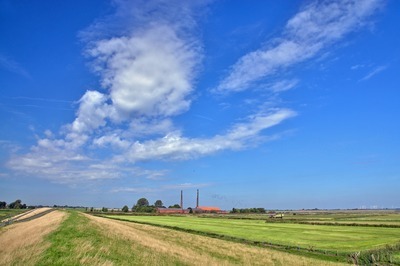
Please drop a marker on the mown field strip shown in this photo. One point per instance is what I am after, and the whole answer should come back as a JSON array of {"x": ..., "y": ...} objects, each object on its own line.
[{"x": 331, "y": 238}]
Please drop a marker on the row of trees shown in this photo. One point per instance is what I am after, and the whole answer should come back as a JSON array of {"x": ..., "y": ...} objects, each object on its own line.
[
  {"x": 143, "y": 205},
  {"x": 248, "y": 210},
  {"x": 13, "y": 205}
]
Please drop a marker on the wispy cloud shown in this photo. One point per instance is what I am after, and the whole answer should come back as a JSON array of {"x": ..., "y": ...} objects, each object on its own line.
[
  {"x": 40, "y": 99},
  {"x": 374, "y": 72},
  {"x": 140, "y": 190},
  {"x": 42, "y": 103},
  {"x": 13, "y": 66},
  {"x": 310, "y": 31},
  {"x": 283, "y": 85}
]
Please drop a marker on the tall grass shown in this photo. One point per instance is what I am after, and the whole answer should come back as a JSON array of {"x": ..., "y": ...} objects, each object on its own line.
[{"x": 22, "y": 243}]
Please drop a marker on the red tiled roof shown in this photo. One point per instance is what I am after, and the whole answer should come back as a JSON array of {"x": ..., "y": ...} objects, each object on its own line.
[{"x": 208, "y": 208}]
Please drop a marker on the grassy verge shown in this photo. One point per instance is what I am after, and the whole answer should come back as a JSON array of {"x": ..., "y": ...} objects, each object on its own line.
[
  {"x": 23, "y": 243},
  {"x": 79, "y": 241}
]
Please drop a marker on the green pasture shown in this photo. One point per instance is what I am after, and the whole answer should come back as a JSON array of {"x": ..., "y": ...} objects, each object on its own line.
[
  {"x": 323, "y": 237},
  {"x": 386, "y": 218}
]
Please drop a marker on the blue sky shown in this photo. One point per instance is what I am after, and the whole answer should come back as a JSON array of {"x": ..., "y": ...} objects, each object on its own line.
[{"x": 275, "y": 104}]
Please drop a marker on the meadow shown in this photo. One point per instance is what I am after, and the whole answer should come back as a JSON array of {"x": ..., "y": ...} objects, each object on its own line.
[
  {"x": 324, "y": 237},
  {"x": 357, "y": 217}
]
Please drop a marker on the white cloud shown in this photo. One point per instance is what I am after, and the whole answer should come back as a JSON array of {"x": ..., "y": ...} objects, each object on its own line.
[
  {"x": 311, "y": 30},
  {"x": 373, "y": 72},
  {"x": 113, "y": 140},
  {"x": 140, "y": 127},
  {"x": 176, "y": 147},
  {"x": 93, "y": 110},
  {"x": 160, "y": 188},
  {"x": 149, "y": 73},
  {"x": 185, "y": 186},
  {"x": 139, "y": 190},
  {"x": 282, "y": 85}
]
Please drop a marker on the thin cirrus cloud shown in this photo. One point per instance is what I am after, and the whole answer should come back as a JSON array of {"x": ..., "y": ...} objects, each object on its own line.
[
  {"x": 311, "y": 30},
  {"x": 13, "y": 66},
  {"x": 147, "y": 84},
  {"x": 374, "y": 72},
  {"x": 162, "y": 188}
]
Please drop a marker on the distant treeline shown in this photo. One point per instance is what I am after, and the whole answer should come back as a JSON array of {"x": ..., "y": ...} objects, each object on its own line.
[
  {"x": 248, "y": 210},
  {"x": 142, "y": 206},
  {"x": 14, "y": 205}
]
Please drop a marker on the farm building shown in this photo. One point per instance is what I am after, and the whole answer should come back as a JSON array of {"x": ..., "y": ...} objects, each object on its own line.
[
  {"x": 208, "y": 209},
  {"x": 198, "y": 209}
]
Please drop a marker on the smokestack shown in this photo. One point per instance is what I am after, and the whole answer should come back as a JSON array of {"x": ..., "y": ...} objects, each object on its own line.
[
  {"x": 181, "y": 199},
  {"x": 197, "y": 199}
]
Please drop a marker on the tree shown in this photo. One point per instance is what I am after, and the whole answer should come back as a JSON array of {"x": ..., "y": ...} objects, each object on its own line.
[
  {"x": 15, "y": 205},
  {"x": 104, "y": 209},
  {"x": 125, "y": 209},
  {"x": 142, "y": 202},
  {"x": 158, "y": 204},
  {"x": 175, "y": 206},
  {"x": 3, "y": 204}
]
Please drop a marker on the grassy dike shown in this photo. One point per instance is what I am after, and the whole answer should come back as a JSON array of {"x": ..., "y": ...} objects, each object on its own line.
[{"x": 79, "y": 241}]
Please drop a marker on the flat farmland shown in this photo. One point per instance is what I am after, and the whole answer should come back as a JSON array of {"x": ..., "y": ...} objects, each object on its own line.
[
  {"x": 74, "y": 238},
  {"x": 323, "y": 237}
]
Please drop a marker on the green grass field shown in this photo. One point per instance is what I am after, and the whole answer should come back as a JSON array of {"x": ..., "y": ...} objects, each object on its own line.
[{"x": 331, "y": 238}]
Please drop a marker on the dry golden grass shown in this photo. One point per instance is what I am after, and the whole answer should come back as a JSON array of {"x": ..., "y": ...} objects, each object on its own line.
[
  {"x": 193, "y": 249},
  {"x": 22, "y": 243},
  {"x": 30, "y": 214},
  {"x": 18, "y": 215}
]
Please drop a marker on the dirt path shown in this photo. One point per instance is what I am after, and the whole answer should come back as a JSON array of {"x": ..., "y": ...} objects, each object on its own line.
[
  {"x": 193, "y": 249},
  {"x": 22, "y": 243}
]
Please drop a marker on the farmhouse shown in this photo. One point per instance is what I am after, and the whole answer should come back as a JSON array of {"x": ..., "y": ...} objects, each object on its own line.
[
  {"x": 207, "y": 209},
  {"x": 198, "y": 209}
]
